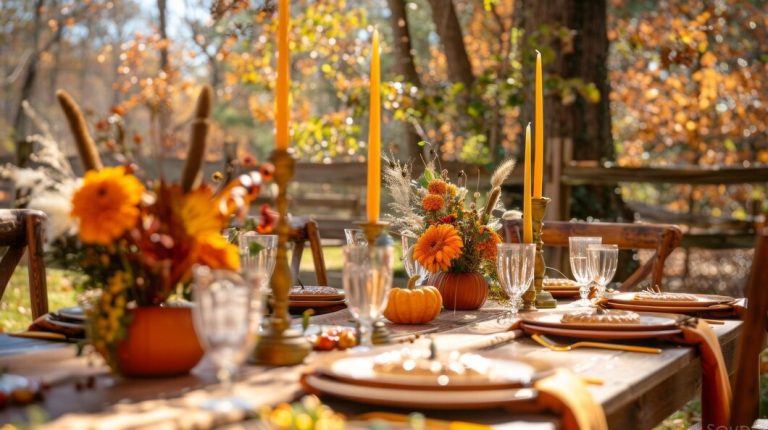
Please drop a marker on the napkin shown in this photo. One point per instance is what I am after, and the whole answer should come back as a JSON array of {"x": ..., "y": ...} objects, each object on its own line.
[
  {"x": 716, "y": 387},
  {"x": 566, "y": 394},
  {"x": 49, "y": 323}
]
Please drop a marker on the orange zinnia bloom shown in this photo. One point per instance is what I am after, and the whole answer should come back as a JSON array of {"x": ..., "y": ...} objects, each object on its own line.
[
  {"x": 487, "y": 249},
  {"x": 432, "y": 202},
  {"x": 437, "y": 186},
  {"x": 438, "y": 247},
  {"x": 107, "y": 205}
]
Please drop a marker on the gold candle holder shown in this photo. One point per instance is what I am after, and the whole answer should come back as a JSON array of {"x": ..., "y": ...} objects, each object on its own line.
[
  {"x": 280, "y": 345},
  {"x": 544, "y": 299},
  {"x": 372, "y": 230}
]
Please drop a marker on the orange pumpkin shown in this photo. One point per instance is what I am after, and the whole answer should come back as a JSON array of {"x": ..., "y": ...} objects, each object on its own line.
[
  {"x": 159, "y": 342},
  {"x": 413, "y": 305},
  {"x": 461, "y": 291}
]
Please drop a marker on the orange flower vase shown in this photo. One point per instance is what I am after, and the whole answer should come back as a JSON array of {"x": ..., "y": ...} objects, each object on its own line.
[
  {"x": 160, "y": 341},
  {"x": 461, "y": 291}
]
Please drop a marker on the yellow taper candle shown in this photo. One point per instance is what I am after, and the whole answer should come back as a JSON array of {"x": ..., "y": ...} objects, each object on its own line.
[
  {"x": 538, "y": 161},
  {"x": 282, "y": 108},
  {"x": 374, "y": 135},
  {"x": 527, "y": 218}
]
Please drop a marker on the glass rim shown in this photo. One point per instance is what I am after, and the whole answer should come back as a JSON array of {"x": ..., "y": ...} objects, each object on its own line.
[
  {"x": 255, "y": 234},
  {"x": 585, "y": 238},
  {"x": 606, "y": 246}
]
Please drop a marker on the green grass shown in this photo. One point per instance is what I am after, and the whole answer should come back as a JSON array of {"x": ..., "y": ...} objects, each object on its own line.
[{"x": 15, "y": 312}]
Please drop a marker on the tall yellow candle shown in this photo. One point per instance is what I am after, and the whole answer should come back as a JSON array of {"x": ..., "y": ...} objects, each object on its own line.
[
  {"x": 527, "y": 218},
  {"x": 538, "y": 166},
  {"x": 282, "y": 109},
  {"x": 374, "y": 135}
]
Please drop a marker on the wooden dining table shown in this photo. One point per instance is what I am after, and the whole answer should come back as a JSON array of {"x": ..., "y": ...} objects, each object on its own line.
[{"x": 636, "y": 390}]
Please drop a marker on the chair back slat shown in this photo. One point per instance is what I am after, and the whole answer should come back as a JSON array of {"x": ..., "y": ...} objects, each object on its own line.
[
  {"x": 663, "y": 238},
  {"x": 22, "y": 230},
  {"x": 307, "y": 231},
  {"x": 746, "y": 393}
]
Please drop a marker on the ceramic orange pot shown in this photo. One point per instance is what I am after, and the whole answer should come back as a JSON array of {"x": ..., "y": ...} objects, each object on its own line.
[
  {"x": 160, "y": 341},
  {"x": 461, "y": 291}
]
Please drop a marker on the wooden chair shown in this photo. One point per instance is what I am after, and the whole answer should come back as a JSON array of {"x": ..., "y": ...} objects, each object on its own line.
[
  {"x": 746, "y": 387},
  {"x": 306, "y": 231},
  {"x": 663, "y": 238},
  {"x": 22, "y": 230}
]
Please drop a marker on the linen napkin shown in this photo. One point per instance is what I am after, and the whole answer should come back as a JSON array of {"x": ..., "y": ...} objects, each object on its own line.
[
  {"x": 715, "y": 387},
  {"x": 566, "y": 394}
]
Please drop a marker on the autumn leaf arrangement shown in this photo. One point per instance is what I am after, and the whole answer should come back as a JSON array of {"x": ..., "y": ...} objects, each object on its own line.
[
  {"x": 456, "y": 228},
  {"x": 135, "y": 239}
]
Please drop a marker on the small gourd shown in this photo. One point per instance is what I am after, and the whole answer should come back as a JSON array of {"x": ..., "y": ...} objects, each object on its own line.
[{"x": 413, "y": 305}]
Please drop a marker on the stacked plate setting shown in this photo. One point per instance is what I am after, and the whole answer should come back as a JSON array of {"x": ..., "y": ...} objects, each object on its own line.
[{"x": 651, "y": 325}]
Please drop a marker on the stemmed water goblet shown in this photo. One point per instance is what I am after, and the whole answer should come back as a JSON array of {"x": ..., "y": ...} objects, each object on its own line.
[
  {"x": 367, "y": 280},
  {"x": 224, "y": 318},
  {"x": 515, "y": 266},
  {"x": 577, "y": 250},
  {"x": 257, "y": 261},
  {"x": 413, "y": 267},
  {"x": 602, "y": 261},
  {"x": 355, "y": 236}
]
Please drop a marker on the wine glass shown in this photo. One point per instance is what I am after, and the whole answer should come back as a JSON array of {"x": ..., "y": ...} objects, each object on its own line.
[
  {"x": 577, "y": 251},
  {"x": 367, "y": 279},
  {"x": 355, "y": 236},
  {"x": 412, "y": 267},
  {"x": 515, "y": 264},
  {"x": 602, "y": 260},
  {"x": 257, "y": 261},
  {"x": 224, "y": 317}
]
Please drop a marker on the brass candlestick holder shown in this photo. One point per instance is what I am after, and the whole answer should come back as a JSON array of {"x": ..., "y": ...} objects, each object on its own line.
[
  {"x": 372, "y": 231},
  {"x": 280, "y": 345},
  {"x": 543, "y": 298}
]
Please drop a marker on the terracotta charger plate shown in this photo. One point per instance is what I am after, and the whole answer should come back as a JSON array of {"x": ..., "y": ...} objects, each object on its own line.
[
  {"x": 700, "y": 300},
  {"x": 648, "y": 321},
  {"x": 358, "y": 369},
  {"x": 314, "y": 303},
  {"x": 676, "y": 309},
  {"x": 417, "y": 399},
  {"x": 563, "y": 294},
  {"x": 599, "y": 334}
]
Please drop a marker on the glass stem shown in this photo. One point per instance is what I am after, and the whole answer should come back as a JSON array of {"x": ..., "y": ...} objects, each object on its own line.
[
  {"x": 366, "y": 333},
  {"x": 584, "y": 291}
]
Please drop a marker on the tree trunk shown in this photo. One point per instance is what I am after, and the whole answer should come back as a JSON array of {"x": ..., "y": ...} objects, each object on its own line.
[
  {"x": 162, "y": 10},
  {"x": 405, "y": 65},
  {"x": 449, "y": 30},
  {"x": 24, "y": 147}
]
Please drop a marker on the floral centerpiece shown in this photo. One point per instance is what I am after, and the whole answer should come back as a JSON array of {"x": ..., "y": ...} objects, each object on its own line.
[
  {"x": 135, "y": 241},
  {"x": 456, "y": 229}
]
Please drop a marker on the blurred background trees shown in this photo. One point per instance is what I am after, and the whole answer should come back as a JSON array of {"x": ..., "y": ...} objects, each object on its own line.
[{"x": 634, "y": 82}]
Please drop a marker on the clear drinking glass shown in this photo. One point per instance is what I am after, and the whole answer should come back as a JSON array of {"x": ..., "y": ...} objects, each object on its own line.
[
  {"x": 413, "y": 267},
  {"x": 257, "y": 262},
  {"x": 515, "y": 265},
  {"x": 577, "y": 251},
  {"x": 355, "y": 236},
  {"x": 223, "y": 316},
  {"x": 602, "y": 260},
  {"x": 367, "y": 279}
]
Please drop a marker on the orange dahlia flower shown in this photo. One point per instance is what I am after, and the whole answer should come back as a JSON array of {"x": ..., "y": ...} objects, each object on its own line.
[
  {"x": 438, "y": 247},
  {"x": 437, "y": 186},
  {"x": 432, "y": 202},
  {"x": 107, "y": 205}
]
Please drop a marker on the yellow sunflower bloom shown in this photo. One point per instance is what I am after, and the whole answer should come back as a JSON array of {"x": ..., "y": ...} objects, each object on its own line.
[
  {"x": 107, "y": 205},
  {"x": 438, "y": 247}
]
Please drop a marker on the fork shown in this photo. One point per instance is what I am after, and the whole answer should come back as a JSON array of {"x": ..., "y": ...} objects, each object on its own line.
[{"x": 543, "y": 341}]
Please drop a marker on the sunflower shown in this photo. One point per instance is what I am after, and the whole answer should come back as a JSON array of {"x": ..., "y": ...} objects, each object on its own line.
[
  {"x": 437, "y": 186},
  {"x": 432, "y": 202},
  {"x": 487, "y": 248},
  {"x": 106, "y": 205},
  {"x": 438, "y": 247}
]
